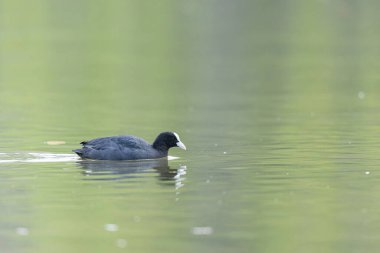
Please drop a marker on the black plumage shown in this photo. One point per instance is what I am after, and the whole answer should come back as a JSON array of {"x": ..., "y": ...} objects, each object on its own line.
[{"x": 129, "y": 147}]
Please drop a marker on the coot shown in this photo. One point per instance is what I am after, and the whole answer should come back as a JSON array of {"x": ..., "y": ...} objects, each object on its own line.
[{"x": 129, "y": 147}]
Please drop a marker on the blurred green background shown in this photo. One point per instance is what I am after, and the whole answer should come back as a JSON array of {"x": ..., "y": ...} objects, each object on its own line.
[{"x": 277, "y": 102}]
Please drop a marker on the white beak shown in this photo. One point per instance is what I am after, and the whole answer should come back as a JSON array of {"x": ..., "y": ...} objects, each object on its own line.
[{"x": 181, "y": 145}]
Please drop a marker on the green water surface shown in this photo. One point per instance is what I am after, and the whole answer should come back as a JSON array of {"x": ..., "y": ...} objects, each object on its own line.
[{"x": 277, "y": 102}]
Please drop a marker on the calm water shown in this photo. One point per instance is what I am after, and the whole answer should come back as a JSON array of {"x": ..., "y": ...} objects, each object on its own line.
[{"x": 276, "y": 102}]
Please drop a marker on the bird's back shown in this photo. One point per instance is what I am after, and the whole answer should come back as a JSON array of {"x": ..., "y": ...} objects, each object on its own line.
[{"x": 117, "y": 148}]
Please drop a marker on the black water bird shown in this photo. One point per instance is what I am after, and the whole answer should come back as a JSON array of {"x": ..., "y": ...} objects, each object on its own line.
[{"x": 129, "y": 147}]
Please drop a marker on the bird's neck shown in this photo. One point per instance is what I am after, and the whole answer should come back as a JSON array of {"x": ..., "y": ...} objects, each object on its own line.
[{"x": 160, "y": 145}]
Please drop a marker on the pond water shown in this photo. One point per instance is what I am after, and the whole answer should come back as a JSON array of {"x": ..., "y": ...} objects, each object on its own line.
[{"x": 277, "y": 104}]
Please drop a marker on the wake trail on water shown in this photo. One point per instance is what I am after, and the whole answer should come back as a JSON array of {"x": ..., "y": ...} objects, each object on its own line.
[{"x": 35, "y": 157}]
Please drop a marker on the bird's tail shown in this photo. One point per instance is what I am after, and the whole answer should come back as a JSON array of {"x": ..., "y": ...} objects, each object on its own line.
[{"x": 78, "y": 152}]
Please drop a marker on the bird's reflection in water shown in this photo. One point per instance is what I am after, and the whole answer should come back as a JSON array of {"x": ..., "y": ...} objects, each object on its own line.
[{"x": 118, "y": 170}]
